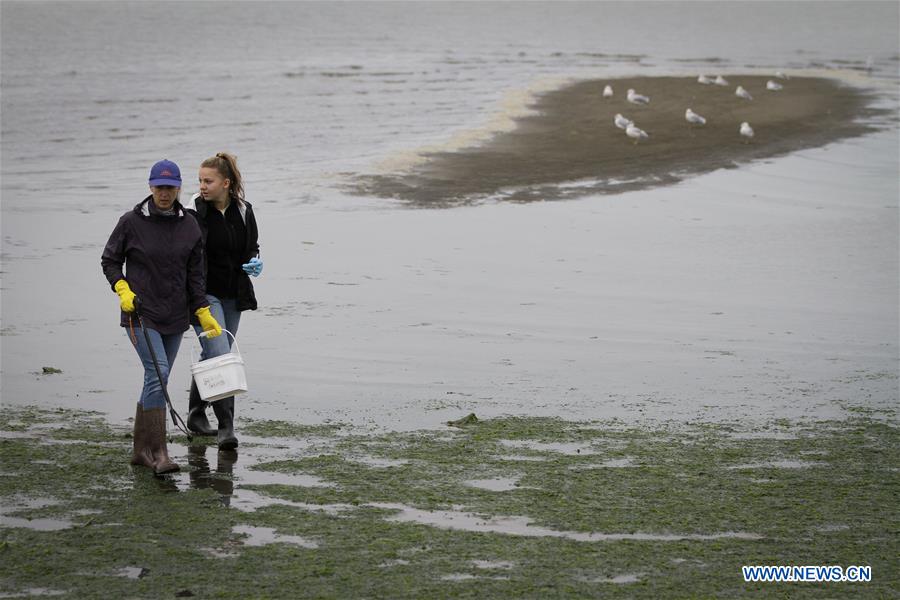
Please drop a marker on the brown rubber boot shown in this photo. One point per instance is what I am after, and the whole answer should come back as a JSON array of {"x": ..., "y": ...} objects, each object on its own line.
[
  {"x": 142, "y": 454},
  {"x": 156, "y": 432}
]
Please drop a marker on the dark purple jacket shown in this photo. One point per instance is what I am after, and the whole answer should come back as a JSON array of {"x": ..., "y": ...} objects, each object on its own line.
[{"x": 163, "y": 256}]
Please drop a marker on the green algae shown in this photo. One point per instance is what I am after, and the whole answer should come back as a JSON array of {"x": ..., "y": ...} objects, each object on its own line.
[
  {"x": 469, "y": 419},
  {"x": 687, "y": 479},
  {"x": 290, "y": 430}
]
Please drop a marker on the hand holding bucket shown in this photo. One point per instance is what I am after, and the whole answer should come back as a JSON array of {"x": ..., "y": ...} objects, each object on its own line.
[{"x": 220, "y": 376}]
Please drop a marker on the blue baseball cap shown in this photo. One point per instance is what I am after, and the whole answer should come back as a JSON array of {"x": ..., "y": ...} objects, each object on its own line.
[{"x": 165, "y": 172}]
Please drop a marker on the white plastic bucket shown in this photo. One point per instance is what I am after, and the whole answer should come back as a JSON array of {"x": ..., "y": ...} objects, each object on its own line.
[{"x": 221, "y": 376}]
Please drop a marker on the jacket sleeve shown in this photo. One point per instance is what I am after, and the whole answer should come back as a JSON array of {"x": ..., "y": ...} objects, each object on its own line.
[
  {"x": 253, "y": 231},
  {"x": 113, "y": 258},
  {"x": 196, "y": 280}
]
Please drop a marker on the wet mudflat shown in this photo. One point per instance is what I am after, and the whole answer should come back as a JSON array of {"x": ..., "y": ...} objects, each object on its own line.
[
  {"x": 581, "y": 509},
  {"x": 568, "y": 146}
]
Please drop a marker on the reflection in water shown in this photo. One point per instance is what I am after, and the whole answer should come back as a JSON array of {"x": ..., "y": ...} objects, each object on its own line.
[
  {"x": 166, "y": 482},
  {"x": 220, "y": 473},
  {"x": 142, "y": 476},
  {"x": 220, "y": 480}
]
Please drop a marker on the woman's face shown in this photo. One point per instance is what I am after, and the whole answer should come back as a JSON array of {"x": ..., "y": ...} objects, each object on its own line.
[
  {"x": 164, "y": 196},
  {"x": 213, "y": 187}
]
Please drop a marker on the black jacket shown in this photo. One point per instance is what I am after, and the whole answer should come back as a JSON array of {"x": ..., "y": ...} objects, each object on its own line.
[
  {"x": 163, "y": 256},
  {"x": 199, "y": 208}
]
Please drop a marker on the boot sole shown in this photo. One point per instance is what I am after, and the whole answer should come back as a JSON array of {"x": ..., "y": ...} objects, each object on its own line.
[
  {"x": 167, "y": 469},
  {"x": 228, "y": 445},
  {"x": 211, "y": 432}
]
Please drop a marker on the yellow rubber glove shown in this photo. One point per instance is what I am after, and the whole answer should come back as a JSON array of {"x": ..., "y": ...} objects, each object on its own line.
[
  {"x": 208, "y": 322},
  {"x": 126, "y": 296}
]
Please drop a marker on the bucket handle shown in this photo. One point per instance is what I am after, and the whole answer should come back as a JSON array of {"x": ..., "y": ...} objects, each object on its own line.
[{"x": 206, "y": 334}]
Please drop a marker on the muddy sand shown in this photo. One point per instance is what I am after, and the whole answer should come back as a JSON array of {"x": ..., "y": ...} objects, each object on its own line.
[{"x": 570, "y": 146}]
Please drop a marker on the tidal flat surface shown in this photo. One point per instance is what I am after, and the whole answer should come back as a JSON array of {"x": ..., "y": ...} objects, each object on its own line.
[
  {"x": 568, "y": 146},
  {"x": 680, "y": 521}
]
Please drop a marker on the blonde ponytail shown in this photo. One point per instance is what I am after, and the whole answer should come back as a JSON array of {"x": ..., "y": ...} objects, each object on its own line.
[{"x": 226, "y": 165}]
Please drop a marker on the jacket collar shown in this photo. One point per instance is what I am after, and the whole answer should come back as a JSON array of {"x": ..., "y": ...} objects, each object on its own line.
[
  {"x": 198, "y": 205},
  {"x": 144, "y": 208}
]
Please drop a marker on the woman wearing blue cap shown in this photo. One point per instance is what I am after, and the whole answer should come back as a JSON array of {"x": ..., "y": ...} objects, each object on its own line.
[
  {"x": 160, "y": 249},
  {"x": 231, "y": 251}
]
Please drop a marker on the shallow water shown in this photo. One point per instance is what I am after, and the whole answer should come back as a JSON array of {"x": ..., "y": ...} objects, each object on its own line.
[
  {"x": 227, "y": 472},
  {"x": 497, "y": 484},
  {"x": 262, "y": 536},
  {"x": 307, "y": 89},
  {"x": 570, "y": 448},
  {"x": 781, "y": 464},
  {"x": 513, "y": 525},
  {"x": 33, "y": 592},
  {"x": 385, "y": 318},
  {"x": 36, "y": 524},
  {"x": 132, "y": 572},
  {"x": 620, "y": 579}
]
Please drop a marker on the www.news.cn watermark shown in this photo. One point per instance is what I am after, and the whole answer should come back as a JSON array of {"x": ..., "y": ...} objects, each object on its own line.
[{"x": 816, "y": 573}]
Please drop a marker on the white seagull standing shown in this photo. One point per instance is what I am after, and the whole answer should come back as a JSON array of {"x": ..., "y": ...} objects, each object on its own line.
[
  {"x": 740, "y": 92},
  {"x": 781, "y": 75},
  {"x": 621, "y": 122},
  {"x": 721, "y": 80},
  {"x": 704, "y": 80},
  {"x": 607, "y": 92},
  {"x": 774, "y": 86},
  {"x": 636, "y": 98},
  {"x": 746, "y": 131},
  {"x": 635, "y": 133},
  {"x": 693, "y": 118}
]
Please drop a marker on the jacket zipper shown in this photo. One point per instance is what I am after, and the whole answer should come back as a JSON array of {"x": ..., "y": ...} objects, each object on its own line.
[{"x": 231, "y": 283}]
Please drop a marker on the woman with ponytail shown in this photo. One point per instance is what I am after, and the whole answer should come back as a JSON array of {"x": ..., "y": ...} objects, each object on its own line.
[{"x": 231, "y": 251}]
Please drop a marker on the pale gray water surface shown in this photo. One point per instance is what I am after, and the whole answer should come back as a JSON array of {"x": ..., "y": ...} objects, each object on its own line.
[
  {"x": 390, "y": 318},
  {"x": 94, "y": 91},
  {"x": 262, "y": 536},
  {"x": 522, "y": 526}
]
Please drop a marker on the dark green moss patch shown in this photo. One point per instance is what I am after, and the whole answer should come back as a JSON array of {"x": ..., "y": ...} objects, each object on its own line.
[
  {"x": 815, "y": 493},
  {"x": 290, "y": 430}
]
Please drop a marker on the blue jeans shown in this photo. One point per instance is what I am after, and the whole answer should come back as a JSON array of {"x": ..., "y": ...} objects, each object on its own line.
[
  {"x": 229, "y": 317},
  {"x": 166, "y": 348}
]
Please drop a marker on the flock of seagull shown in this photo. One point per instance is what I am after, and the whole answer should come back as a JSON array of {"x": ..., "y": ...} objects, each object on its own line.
[{"x": 637, "y": 134}]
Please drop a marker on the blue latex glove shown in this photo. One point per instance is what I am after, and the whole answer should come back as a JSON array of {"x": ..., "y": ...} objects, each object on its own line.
[{"x": 254, "y": 267}]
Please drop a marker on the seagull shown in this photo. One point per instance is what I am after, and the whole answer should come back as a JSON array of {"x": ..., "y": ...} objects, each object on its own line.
[
  {"x": 746, "y": 131},
  {"x": 607, "y": 92},
  {"x": 870, "y": 63},
  {"x": 693, "y": 118},
  {"x": 781, "y": 75},
  {"x": 740, "y": 92},
  {"x": 721, "y": 80},
  {"x": 636, "y": 98},
  {"x": 635, "y": 133},
  {"x": 704, "y": 80},
  {"x": 621, "y": 122},
  {"x": 773, "y": 86}
]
